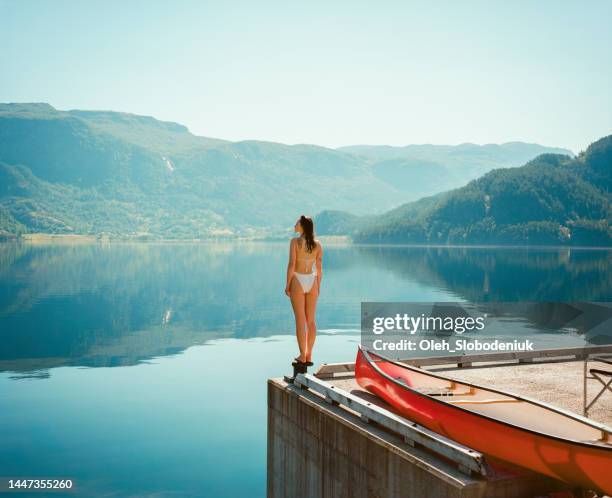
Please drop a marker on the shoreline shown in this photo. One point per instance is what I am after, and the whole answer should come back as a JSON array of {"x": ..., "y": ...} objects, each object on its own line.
[{"x": 44, "y": 238}]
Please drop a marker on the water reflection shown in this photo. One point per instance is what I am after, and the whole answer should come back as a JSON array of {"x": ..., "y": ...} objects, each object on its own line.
[
  {"x": 504, "y": 274},
  {"x": 121, "y": 304}
]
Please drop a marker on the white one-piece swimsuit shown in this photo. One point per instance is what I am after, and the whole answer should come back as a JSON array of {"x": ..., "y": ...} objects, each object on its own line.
[{"x": 307, "y": 280}]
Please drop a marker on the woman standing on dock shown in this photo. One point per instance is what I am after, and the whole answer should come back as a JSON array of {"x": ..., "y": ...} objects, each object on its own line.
[{"x": 304, "y": 273}]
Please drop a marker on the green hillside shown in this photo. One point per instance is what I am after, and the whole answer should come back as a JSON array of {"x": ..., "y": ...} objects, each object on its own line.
[
  {"x": 344, "y": 223},
  {"x": 105, "y": 172},
  {"x": 553, "y": 199},
  {"x": 102, "y": 172}
]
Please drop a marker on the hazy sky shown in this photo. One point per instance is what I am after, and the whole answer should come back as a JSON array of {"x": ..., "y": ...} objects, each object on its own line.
[{"x": 331, "y": 72}]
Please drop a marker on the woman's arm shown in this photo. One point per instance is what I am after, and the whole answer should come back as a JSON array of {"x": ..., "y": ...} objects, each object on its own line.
[
  {"x": 319, "y": 264},
  {"x": 290, "y": 265}
]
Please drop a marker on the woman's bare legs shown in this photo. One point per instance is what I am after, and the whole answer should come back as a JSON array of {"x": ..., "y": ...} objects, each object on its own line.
[
  {"x": 298, "y": 301},
  {"x": 311, "y": 325}
]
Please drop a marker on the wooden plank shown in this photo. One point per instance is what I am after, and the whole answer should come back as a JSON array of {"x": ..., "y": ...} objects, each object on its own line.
[
  {"x": 329, "y": 370},
  {"x": 468, "y": 460}
]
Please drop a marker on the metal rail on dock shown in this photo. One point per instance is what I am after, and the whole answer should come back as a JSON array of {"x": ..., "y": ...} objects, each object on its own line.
[
  {"x": 468, "y": 460},
  {"x": 330, "y": 370}
]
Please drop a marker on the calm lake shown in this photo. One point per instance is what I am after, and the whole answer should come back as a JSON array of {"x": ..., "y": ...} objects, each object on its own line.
[{"x": 141, "y": 368}]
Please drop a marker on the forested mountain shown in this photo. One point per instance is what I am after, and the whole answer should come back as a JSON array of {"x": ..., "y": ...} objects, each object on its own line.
[
  {"x": 99, "y": 172},
  {"x": 94, "y": 172},
  {"x": 553, "y": 199}
]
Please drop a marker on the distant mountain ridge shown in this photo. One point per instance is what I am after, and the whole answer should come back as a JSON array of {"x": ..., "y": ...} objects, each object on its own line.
[
  {"x": 104, "y": 172},
  {"x": 511, "y": 149},
  {"x": 422, "y": 170}
]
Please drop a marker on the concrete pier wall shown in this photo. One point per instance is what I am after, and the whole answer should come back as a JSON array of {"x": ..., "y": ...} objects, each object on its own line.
[{"x": 318, "y": 450}]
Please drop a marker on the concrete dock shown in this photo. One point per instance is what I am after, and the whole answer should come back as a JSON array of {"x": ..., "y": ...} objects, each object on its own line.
[{"x": 317, "y": 448}]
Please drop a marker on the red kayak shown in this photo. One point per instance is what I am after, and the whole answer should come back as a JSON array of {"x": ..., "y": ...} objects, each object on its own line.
[{"x": 514, "y": 429}]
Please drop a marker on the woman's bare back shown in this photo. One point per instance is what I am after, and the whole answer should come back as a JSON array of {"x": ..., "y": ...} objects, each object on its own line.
[{"x": 304, "y": 260}]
